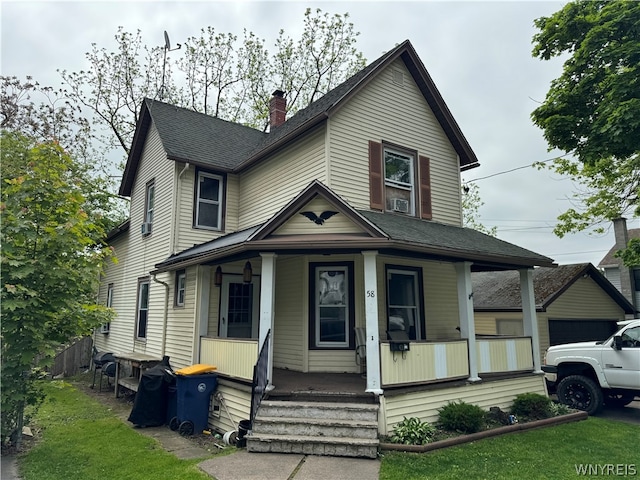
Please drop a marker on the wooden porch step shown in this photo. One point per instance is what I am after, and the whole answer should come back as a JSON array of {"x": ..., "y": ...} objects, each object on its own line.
[{"x": 313, "y": 445}]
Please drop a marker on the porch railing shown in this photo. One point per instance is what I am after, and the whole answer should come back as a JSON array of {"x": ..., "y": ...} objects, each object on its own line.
[
  {"x": 424, "y": 362},
  {"x": 260, "y": 378},
  {"x": 496, "y": 355},
  {"x": 233, "y": 357}
]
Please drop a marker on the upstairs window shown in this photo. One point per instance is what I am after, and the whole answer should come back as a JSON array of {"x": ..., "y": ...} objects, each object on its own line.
[
  {"x": 209, "y": 201},
  {"x": 149, "y": 201},
  {"x": 399, "y": 180}
]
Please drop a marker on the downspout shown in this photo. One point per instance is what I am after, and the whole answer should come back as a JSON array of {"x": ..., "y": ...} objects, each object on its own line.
[
  {"x": 176, "y": 217},
  {"x": 166, "y": 313}
]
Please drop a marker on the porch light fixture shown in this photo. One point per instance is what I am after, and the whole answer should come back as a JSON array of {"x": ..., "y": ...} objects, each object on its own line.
[
  {"x": 247, "y": 273},
  {"x": 217, "y": 279}
]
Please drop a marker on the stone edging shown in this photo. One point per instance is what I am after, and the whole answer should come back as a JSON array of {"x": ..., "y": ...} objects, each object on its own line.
[{"x": 518, "y": 427}]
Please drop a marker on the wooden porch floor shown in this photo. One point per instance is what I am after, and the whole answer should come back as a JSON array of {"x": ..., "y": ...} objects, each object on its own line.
[{"x": 288, "y": 381}]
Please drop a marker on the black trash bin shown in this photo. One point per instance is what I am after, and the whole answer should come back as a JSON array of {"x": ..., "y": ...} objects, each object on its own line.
[
  {"x": 192, "y": 402},
  {"x": 152, "y": 398}
]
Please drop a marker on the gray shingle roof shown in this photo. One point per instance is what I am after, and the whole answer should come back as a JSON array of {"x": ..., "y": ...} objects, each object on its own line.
[
  {"x": 219, "y": 144},
  {"x": 458, "y": 240},
  {"x": 202, "y": 139},
  {"x": 501, "y": 290}
]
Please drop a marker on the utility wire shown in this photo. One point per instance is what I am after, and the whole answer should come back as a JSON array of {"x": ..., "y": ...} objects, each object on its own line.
[{"x": 514, "y": 169}]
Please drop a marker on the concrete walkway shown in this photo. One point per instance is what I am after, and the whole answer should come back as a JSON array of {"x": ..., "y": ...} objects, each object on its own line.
[{"x": 276, "y": 466}]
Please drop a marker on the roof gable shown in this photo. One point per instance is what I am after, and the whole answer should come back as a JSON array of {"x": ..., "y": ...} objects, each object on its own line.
[
  {"x": 501, "y": 290},
  {"x": 610, "y": 259},
  {"x": 302, "y": 215},
  {"x": 217, "y": 144}
]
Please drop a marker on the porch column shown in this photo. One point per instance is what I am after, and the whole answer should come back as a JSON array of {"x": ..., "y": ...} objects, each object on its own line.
[
  {"x": 467, "y": 321},
  {"x": 529, "y": 317},
  {"x": 267, "y": 306},
  {"x": 371, "y": 318}
]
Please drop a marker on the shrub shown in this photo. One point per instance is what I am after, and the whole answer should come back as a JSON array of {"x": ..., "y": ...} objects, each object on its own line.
[
  {"x": 532, "y": 406},
  {"x": 556, "y": 409},
  {"x": 461, "y": 417},
  {"x": 411, "y": 431}
]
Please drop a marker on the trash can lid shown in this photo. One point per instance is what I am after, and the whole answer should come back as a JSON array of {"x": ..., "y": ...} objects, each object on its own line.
[{"x": 196, "y": 369}]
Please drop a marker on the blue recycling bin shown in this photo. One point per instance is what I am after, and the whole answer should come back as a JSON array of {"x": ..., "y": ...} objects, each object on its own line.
[{"x": 193, "y": 397}]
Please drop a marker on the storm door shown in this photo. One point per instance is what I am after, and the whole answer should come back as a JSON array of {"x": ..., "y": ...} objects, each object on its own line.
[{"x": 239, "y": 307}]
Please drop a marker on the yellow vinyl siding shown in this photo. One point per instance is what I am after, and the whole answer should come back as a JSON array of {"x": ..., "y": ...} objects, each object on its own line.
[
  {"x": 237, "y": 404},
  {"x": 587, "y": 298},
  {"x": 425, "y": 404},
  {"x": 186, "y": 235},
  {"x": 338, "y": 361},
  {"x": 233, "y": 357},
  {"x": 271, "y": 184},
  {"x": 181, "y": 322},
  {"x": 386, "y": 111},
  {"x": 301, "y": 225},
  {"x": 289, "y": 338}
]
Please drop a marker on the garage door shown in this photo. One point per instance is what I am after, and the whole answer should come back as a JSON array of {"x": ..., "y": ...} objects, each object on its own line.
[{"x": 569, "y": 331}]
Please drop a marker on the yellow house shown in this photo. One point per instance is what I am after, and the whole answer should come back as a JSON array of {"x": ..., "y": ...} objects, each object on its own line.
[{"x": 324, "y": 260}]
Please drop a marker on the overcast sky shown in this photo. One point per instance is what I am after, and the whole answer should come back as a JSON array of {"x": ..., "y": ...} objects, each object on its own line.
[{"x": 478, "y": 53}]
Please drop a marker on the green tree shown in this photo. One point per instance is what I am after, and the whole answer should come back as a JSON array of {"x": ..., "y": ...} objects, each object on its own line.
[
  {"x": 471, "y": 203},
  {"x": 50, "y": 267},
  {"x": 592, "y": 111},
  {"x": 217, "y": 74}
]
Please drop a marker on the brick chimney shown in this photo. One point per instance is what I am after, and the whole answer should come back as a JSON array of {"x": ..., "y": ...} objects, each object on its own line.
[
  {"x": 627, "y": 286},
  {"x": 277, "y": 109}
]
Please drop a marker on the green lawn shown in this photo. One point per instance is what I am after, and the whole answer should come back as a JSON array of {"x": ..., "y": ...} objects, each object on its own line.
[
  {"x": 81, "y": 439},
  {"x": 547, "y": 453}
]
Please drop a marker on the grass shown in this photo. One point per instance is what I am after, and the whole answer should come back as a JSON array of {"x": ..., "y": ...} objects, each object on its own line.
[
  {"x": 82, "y": 439},
  {"x": 547, "y": 453}
]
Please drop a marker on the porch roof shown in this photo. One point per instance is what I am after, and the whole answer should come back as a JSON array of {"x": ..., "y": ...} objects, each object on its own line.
[{"x": 413, "y": 236}]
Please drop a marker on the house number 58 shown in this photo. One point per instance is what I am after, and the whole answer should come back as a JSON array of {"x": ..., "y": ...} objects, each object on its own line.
[{"x": 371, "y": 293}]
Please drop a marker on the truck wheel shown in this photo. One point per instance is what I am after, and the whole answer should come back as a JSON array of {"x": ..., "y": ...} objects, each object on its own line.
[
  {"x": 580, "y": 392},
  {"x": 618, "y": 399}
]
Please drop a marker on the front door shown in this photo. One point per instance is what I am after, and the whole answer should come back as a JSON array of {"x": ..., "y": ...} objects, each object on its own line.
[{"x": 239, "y": 308}]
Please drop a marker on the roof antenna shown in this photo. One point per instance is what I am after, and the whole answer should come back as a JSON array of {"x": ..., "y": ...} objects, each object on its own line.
[{"x": 167, "y": 48}]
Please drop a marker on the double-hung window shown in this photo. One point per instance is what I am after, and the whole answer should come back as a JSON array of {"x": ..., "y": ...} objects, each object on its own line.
[
  {"x": 399, "y": 181},
  {"x": 142, "y": 310},
  {"x": 209, "y": 201},
  {"x": 404, "y": 301},
  {"x": 181, "y": 282},
  {"x": 149, "y": 201}
]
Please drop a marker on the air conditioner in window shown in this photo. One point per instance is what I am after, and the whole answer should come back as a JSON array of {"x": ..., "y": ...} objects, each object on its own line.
[
  {"x": 145, "y": 228},
  {"x": 400, "y": 205},
  {"x": 104, "y": 328}
]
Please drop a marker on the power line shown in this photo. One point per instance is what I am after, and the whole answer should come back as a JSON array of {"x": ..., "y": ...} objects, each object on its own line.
[{"x": 514, "y": 169}]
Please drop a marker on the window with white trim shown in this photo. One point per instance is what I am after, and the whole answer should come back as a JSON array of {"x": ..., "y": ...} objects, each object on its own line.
[
  {"x": 105, "y": 327},
  {"x": 209, "y": 201},
  {"x": 181, "y": 283},
  {"x": 399, "y": 181},
  {"x": 404, "y": 305},
  {"x": 149, "y": 201},
  {"x": 142, "y": 309}
]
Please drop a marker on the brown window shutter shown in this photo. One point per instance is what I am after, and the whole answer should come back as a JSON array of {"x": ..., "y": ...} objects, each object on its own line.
[
  {"x": 376, "y": 189},
  {"x": 425, "y": 188}
]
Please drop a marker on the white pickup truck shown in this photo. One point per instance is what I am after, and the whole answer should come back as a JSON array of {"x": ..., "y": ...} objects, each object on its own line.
[{"x": 588, "y": 375}]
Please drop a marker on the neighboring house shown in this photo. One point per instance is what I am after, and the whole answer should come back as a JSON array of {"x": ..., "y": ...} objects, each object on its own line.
[
  {"x": 343, "y": 222},
  {"x": 574, "y": 303},
  {"x": 625, "y": 279}
]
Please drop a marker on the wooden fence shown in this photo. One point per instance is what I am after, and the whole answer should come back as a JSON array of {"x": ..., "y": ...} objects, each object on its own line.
[{"x": 73, "y": 358}]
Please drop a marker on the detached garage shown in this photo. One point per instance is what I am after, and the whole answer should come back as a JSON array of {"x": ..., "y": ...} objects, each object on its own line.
[{"x": 574, "y": 303}]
